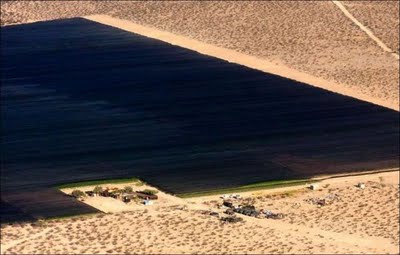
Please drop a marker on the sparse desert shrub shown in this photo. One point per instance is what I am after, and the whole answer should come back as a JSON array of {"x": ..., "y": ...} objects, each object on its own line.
[
  {"x": 150, "y": 191},
  {"x": 39, "y": 223},
  {"x": 97, "y": 189},
  {"x": 99, "y": 216},
  {"x": 128, "y": 189},
  {"x": 78, "y": 193},
  {"x": 139, "y": 183}
]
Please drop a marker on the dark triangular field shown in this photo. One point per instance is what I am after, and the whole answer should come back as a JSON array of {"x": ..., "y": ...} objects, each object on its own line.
[{"x": 84, "y": 101}]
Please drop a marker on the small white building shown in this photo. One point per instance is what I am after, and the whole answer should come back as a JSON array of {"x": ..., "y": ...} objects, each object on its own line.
[
  {"x": 314, "y": 186},
  {"x": 148, "y": 202},
  {"x": 361, "y": 185}
]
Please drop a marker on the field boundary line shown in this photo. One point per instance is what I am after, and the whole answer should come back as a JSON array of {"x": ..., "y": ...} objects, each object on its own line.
[
  {"x": 351, "y": 174},
  {"x": 365, "y": 29},
  {"x": 239, "y": 58}
]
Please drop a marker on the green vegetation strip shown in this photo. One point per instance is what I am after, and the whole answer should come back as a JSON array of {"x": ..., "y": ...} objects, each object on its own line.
[
  {"x": 98, "y": 182},
  {"x": 250, "y": 187}
]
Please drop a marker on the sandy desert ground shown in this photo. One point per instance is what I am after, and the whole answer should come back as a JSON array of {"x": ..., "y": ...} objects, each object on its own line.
[
  {"x": 357, "y": 221},
  {"x": 384, "y": 26},
  {"x": 312, "y": 37}
]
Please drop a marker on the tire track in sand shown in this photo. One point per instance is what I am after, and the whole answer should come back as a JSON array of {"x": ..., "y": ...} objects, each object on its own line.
[{"x": 365, "y": 29}]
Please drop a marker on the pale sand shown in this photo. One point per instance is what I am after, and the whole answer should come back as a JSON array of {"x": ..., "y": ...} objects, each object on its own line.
[
  {"x": 315, "y": 38},
  {"x": 382, "y": 17},
  {"x": 362, "y": 221},
  {"x": 366, "y": 29}
]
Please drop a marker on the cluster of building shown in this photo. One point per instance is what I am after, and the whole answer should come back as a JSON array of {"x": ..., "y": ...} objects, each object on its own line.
[
  {"x": 232, "y": 203},
  {"x": 126, "y": 194}
]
